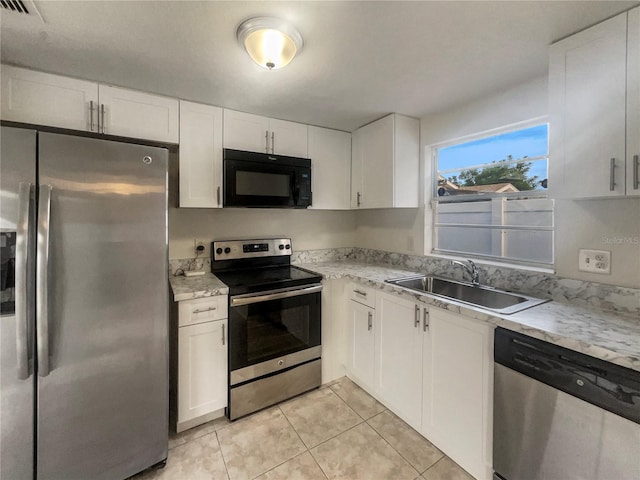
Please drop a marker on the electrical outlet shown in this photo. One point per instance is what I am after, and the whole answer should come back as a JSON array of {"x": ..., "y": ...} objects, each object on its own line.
[
  {"x": 594, "y": 261},
  {"x": 198, "y": 246}
]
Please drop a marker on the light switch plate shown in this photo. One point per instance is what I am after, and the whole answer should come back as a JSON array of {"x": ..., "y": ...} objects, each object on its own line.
[{"x": 594, "y": 261}]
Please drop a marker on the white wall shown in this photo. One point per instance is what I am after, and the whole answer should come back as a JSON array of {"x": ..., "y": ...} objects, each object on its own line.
[
  {"x": 393, "y": 230},
  {"x": 608, "y": 224},
  {"x": 308, "y": 229}
]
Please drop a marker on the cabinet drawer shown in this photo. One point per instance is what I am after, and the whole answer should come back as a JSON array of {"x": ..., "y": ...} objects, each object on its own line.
[
  {"x": 202, "y": 310},
  {"x": 362, "y": 294}
]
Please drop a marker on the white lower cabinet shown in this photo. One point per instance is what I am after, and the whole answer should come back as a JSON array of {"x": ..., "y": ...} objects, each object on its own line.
[
  {"x": 202, "y": 361},
  {"x": 360, "y": 363},
  {"x": 457, "y": 387},
  {"x": 432, "y": 368},
  {"x": 398, "y": 356}
]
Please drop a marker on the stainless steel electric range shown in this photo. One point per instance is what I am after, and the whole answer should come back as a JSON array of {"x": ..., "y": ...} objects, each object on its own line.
[{"x": 274, "y": 323}]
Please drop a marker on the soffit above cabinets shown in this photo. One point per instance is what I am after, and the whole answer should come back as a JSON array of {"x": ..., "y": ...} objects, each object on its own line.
[{"x": 361, "y": 60}]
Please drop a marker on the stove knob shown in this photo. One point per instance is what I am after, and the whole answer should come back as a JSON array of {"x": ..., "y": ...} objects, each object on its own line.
[
  {"x": 218, "y": 250},
  {"x": 287, "y": 246},
  {"x": 227, "y": 250},
  {"x": 281, "y": 247}
]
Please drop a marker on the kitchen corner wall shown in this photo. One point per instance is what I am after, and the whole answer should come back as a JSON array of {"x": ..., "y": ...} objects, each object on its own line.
[
  {"x": 605, "y": 224},
  {"x": 308, "y": 229}
]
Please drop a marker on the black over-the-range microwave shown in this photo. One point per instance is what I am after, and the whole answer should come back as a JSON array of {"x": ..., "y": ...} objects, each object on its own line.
[{"x": 264, "y": 180}]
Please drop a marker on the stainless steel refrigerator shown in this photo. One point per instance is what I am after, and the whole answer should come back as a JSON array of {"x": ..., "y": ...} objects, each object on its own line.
[{"x": 83, "y": 326}]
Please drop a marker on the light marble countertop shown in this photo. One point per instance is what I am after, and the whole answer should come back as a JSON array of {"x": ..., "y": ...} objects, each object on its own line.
[
  {"x": 601, "y": 334},
  {"x": 606, "y": 335},
  {"x": 188, "y": 288}
]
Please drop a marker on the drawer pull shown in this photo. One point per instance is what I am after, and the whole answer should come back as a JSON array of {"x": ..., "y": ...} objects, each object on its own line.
[
  {"x": 360, "y": 292},
  {"x": 205, "y": 310}
]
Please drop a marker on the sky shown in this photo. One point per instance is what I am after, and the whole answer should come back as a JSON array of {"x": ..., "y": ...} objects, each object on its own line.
[{"x": 530, "y": 142}]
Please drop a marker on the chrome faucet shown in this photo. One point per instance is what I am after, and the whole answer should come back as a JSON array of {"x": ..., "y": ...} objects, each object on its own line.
[{"x": 471, "y": 268}]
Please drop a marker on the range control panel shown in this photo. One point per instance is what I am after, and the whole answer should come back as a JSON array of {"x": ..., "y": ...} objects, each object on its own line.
[{"x": 235, "y": 249}]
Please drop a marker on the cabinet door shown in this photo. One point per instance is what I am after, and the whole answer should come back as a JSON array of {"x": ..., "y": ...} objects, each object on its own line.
[
  {"x": 45, "y": 99},
  {"x": 202, "y": 369},
  {"x": 200, "y": 155},
  {"x": 244, "y": 131},
  {"x": 375, "y": 157},
  {"x": 288, "y": 138},
  {"x": 361, "y": 344},
  {"x": 633, "y": 103},
  {"x": 330, "y": 153},
  {"x": 129, "y": 113},
  {"x": 398, "y": 370},
  {"x": 587, "y": 102},
  {"x": 458, "y": 390}
]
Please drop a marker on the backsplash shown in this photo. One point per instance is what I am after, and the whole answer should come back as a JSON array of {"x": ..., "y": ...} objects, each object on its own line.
[{"x": 545, "y": 285}]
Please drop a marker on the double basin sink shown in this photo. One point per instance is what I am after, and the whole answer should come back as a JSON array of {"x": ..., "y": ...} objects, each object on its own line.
[{"x": 480, "y": 296}]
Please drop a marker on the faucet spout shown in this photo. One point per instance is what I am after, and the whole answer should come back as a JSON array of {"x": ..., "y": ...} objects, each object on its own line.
[{"x": 471, "y": 268}]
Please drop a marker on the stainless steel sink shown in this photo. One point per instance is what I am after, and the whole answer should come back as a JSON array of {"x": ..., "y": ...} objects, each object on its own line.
[{"x": 477, "y": 295}]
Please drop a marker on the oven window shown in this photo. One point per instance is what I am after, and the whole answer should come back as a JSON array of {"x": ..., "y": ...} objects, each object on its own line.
[
  {"x": 262, "y": 184},
  {"x": 263, "y": 331}
]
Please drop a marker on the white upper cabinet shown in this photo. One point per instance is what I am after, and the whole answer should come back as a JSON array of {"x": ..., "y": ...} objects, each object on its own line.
[
  {"x": 288, "y": 138},
  {"x": 245, "y": 131},
  {"x": 593, "y": 95},
  {"x": 129, "y": 113},
  {"x": 200, "y": 155},
  {"x": 45, "y": 99},
  {"x": 330, "y": 153},
  {"x": 57, "y": 101},
  {"x": 633, "y": 103},
  {"x": 385, "y": 163},
  {"x": 253, "y": 133}
]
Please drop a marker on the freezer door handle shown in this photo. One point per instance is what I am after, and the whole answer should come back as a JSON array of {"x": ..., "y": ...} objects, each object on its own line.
[
  {"x": 42, "y": 280},
  {"x": 22, "y": 280}
]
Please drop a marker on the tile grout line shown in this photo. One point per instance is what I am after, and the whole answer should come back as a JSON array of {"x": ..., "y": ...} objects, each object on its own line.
[
  {"x": 392, "y": 447},
  {"x": 299, "y": 438},
  {"x": 224, "y": 461}
]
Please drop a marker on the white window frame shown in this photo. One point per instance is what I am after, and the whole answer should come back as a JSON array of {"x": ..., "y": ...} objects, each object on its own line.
[{"x": 497, "y": 200}]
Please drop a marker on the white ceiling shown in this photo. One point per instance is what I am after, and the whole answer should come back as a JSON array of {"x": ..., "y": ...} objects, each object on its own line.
[{"x": 361, "y": 60}]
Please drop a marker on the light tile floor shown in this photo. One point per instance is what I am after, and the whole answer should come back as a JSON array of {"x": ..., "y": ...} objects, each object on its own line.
[{"x": 335, "y": 432}]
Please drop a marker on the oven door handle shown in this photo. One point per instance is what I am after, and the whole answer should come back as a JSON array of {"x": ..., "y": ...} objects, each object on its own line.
[{"x": 240, "y": 300}]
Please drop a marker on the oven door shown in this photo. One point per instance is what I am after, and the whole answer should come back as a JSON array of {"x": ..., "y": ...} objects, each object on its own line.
[
  {"x": 258, "y": 184},
  {"x": 271, "y": 331}
]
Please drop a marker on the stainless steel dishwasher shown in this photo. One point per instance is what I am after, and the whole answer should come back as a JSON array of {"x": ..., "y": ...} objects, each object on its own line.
[{"x": 562, "y": 415}]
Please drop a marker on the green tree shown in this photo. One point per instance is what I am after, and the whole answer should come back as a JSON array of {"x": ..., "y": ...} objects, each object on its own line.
[{"x": 503, "y": 172}]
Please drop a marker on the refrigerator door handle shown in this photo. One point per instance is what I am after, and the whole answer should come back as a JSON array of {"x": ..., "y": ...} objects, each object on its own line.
[
  {"x": 42, "y": 271},
  {"x": 22, "y": 280}
]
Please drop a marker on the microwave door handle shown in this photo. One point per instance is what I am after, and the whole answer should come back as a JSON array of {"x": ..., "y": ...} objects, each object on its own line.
[{"x": 294, "y": 188}]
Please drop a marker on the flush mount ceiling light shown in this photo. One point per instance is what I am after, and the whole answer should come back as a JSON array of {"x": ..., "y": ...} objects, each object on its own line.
[{"x": 270, "y": 42}]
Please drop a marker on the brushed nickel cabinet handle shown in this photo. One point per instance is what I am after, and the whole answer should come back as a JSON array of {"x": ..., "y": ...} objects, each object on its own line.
[
  {"x": 91, "y": 114},
  {"x": 425, "y": 320},
  {"x": 416, "y": 322},
  {"x": 636, "y": 167},
  {"x": 612, "y": 175},
  {"x": 273, "y": 143},
  {"x": 369, "y": 321},
  {"x": 223, "y": 336},
  {"x": 102, "y": 116},
  {"x": 266, "y": 141},
  {"x": 358, "y": 197},
  {"x": 218, "y": 195},
  {"x": 360, "y": 292},
  {"x": 210, "y": 309}
]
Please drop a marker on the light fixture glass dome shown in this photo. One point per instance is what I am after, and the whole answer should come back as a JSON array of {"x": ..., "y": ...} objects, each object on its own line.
[{"x": 270, "y": 42}]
